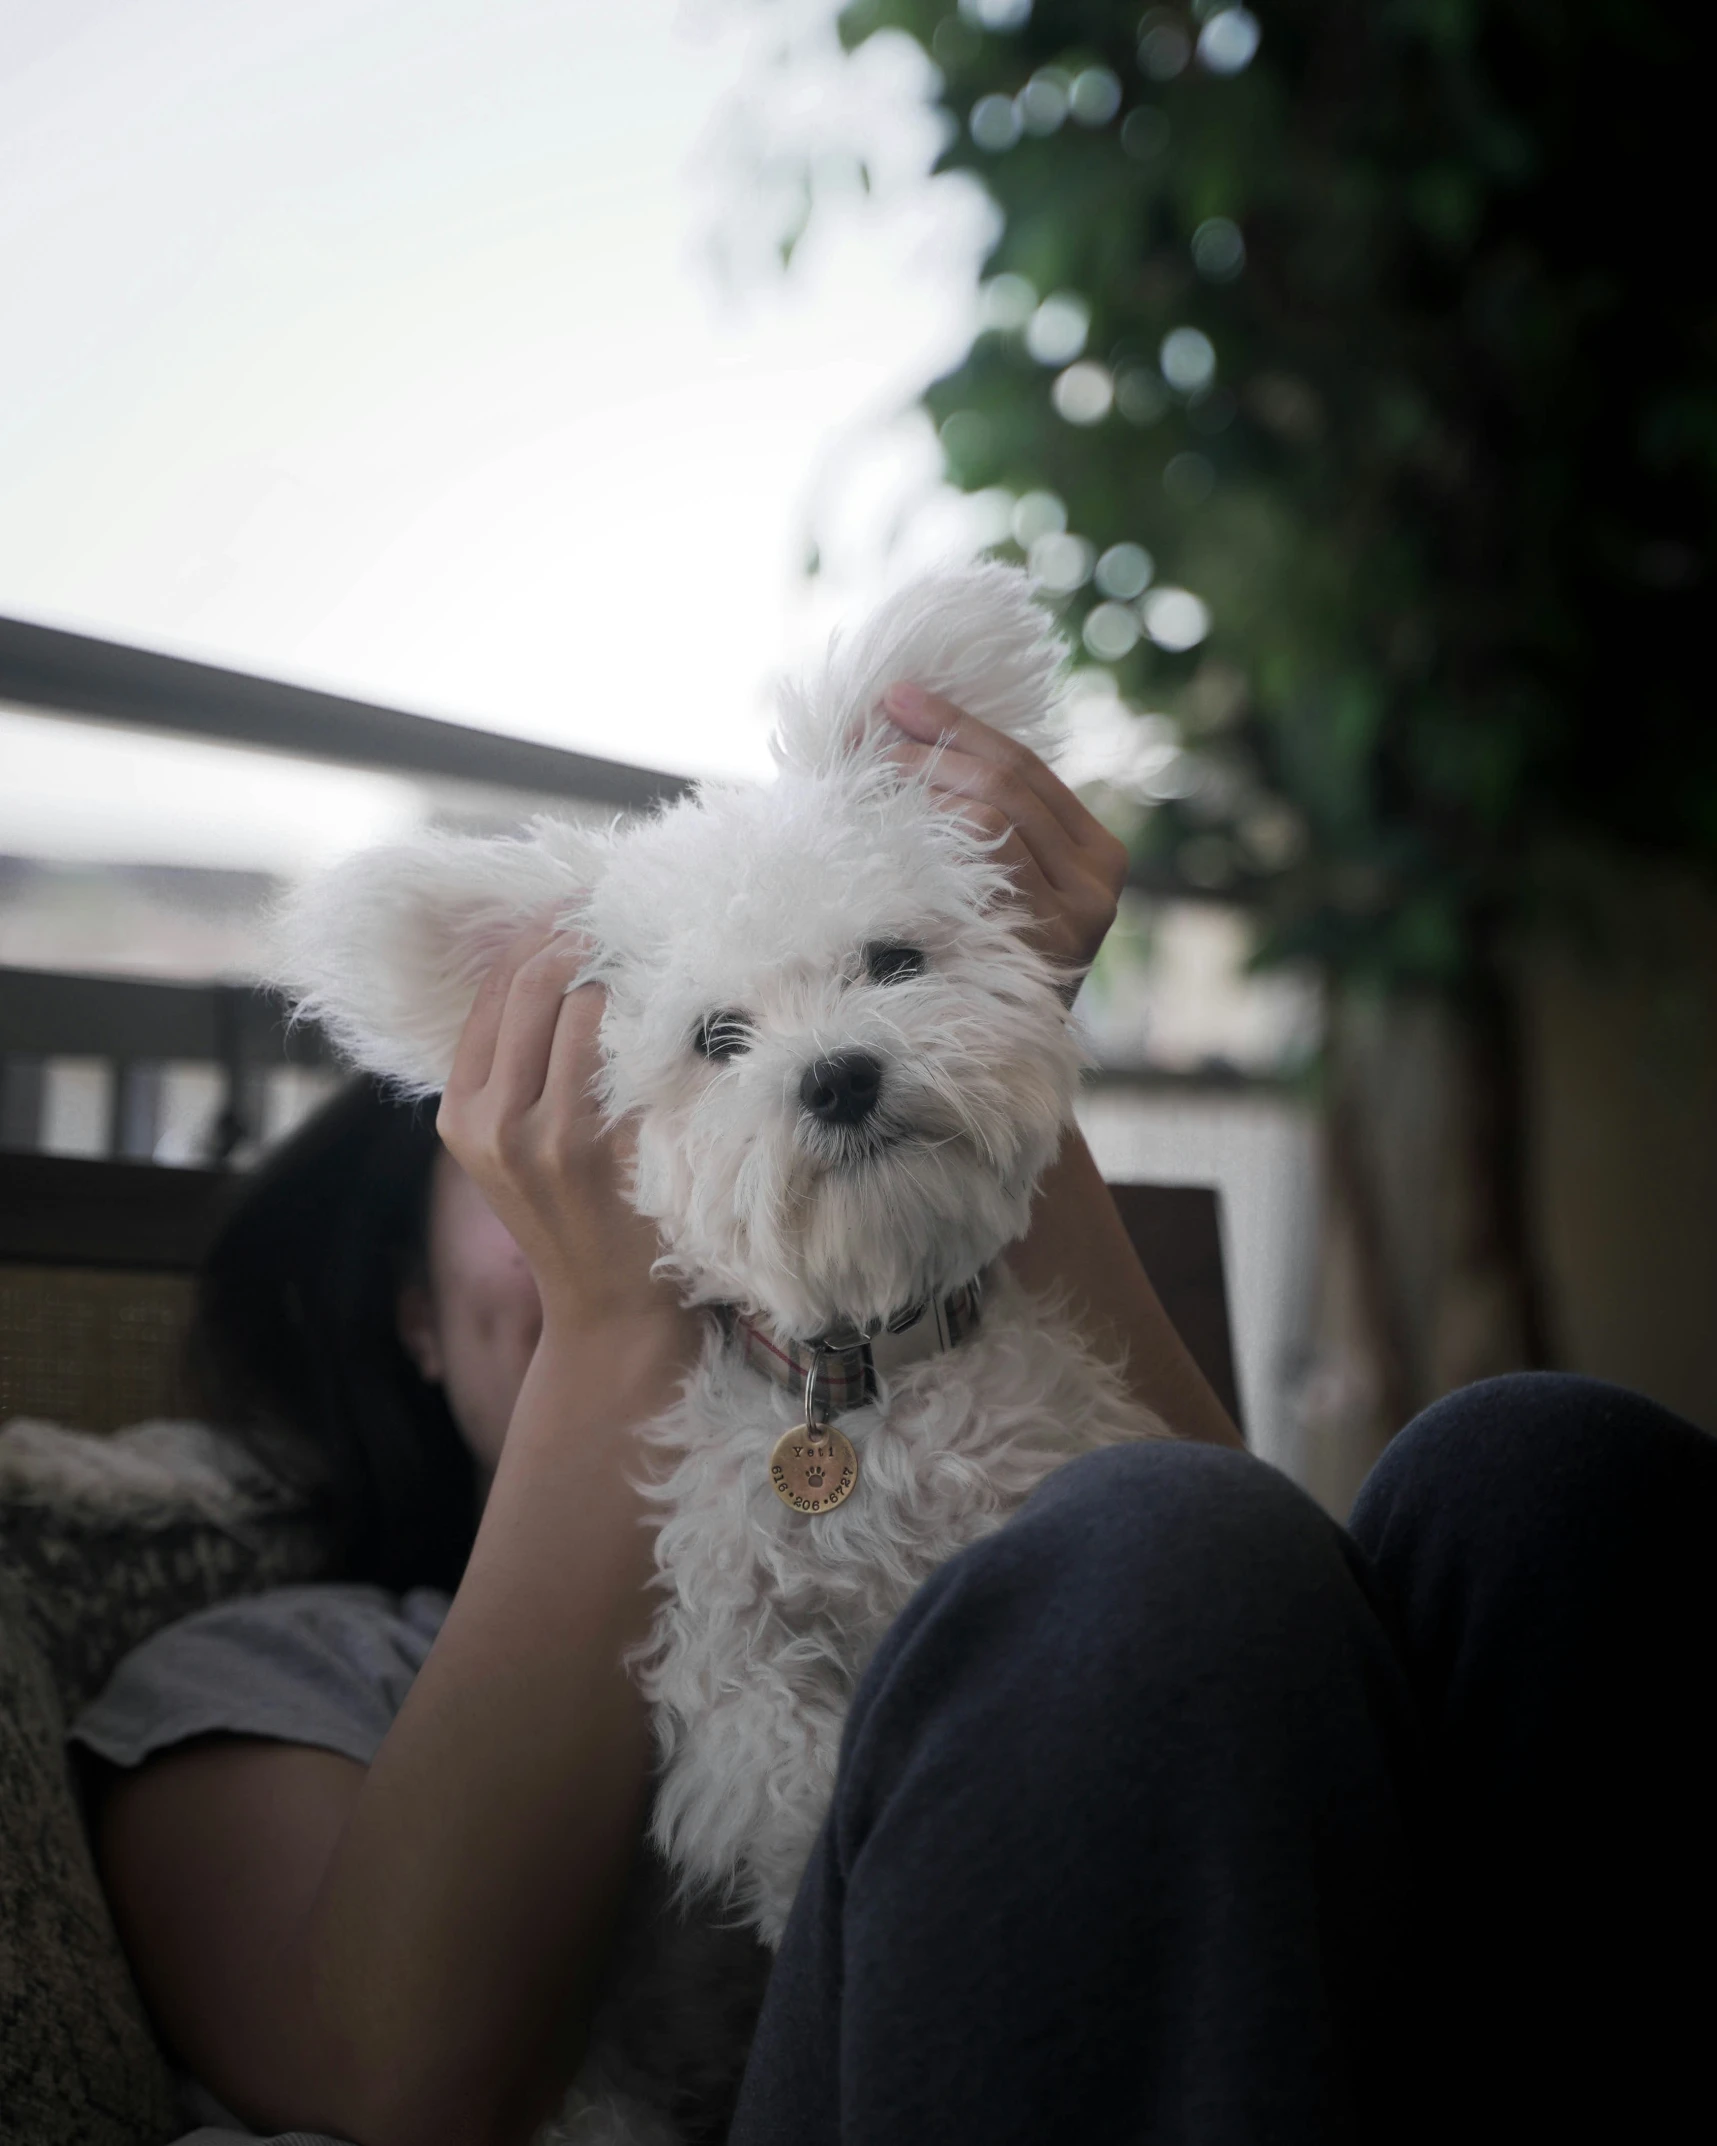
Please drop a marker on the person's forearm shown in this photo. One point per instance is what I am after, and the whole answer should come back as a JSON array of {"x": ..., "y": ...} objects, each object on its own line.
[
  {"x": 447, "y": 1967},
  {"x": 1078, "y": 1242}
]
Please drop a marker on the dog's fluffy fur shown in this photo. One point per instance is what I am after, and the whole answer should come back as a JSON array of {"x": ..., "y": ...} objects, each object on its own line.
[{"x": 758, "y": 904}]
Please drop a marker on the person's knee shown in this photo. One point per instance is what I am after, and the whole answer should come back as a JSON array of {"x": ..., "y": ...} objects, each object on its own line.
[
  {"x": 1175, "y": 1520},
  {"x": 1534, "y": 1453},
  {"x": 1156, "y": 1614},
  {"x": 1165, "y": 1560},
  {"x": 1544, "y": 1541}
]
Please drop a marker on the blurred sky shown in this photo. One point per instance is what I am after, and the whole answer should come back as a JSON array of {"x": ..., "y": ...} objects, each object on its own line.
[{"x": 389, "y": 345}]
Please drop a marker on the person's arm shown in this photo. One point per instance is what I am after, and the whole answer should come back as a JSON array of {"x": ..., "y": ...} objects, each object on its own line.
[
  {"x": 1068, "y": 871},
  {"x": 406, "y": 1954},
  {"x": 1078, "y": 1242}
]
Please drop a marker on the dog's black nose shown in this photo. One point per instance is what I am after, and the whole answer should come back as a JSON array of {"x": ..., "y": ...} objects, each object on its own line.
[{"x": 842, "y": 1090}]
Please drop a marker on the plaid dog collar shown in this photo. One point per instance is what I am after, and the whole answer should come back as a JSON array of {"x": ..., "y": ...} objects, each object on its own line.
[{"x": 846, "y": 1360}]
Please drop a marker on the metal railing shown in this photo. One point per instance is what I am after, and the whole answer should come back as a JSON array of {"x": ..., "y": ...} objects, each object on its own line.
[
  {"x": 44, "y": 668},
  {"x": 138, "y": 1028}
]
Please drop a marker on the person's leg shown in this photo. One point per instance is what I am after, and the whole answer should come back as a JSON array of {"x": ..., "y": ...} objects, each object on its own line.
[
  {"x": 1120, "y": 1847},
  {"x": 1549, "y": 1546}
]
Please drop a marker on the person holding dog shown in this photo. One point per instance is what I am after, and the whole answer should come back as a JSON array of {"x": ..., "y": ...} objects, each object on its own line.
[{"x": 1169, "y": 1812}]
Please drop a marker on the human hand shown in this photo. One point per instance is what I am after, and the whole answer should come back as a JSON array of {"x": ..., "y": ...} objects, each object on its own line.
[
  {"x": 520, "y": 1117},
  {"x": 1067, "y": 868}
]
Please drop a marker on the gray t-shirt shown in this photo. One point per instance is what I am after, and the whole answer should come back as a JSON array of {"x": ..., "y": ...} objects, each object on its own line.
[{"x": 324, "y": 1665}]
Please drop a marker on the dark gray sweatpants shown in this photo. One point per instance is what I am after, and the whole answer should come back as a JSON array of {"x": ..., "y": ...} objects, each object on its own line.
[{"x": 1175, "y": 1813}]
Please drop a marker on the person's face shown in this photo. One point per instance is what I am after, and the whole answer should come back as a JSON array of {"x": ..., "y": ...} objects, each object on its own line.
[{"x": 472, "y": 1325}]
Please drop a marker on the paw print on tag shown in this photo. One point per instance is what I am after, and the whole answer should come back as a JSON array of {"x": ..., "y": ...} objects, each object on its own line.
[{"x": 813, "y": 1468}]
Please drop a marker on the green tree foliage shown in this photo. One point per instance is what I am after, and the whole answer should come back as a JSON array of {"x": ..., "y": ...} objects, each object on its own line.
[{"x": 1391, "y": 338}]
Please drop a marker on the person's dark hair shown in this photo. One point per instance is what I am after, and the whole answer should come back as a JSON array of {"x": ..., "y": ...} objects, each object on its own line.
[{"x": 296, "y": 1332}]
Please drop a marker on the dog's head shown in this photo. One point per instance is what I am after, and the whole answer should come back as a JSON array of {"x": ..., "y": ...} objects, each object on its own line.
[{"x": 846, "y": 1063}]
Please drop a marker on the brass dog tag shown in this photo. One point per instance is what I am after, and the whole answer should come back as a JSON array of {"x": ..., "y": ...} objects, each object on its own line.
[{"x": 813, "y": 1468}]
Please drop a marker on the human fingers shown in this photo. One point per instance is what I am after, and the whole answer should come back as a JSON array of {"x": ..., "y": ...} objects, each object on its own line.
[
  {"x": 1068, "y": 921},
  {"x": 530, "y": 1136},
  {"x": 1004, "y": 803},
  {"x": 530, "y": 1020},
  {"x": 565, "y": 1179},
  {"x": 1020, "y": 775},
  {"x": 475, "y": 1051},
  {"x": 575, "y": 1057},
  {"x": 931, "y": 719},
  {"x": 1070, "y": 893}
]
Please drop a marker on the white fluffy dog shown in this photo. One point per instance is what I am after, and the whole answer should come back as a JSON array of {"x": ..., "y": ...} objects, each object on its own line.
[{"x": 848, "y": 1067}]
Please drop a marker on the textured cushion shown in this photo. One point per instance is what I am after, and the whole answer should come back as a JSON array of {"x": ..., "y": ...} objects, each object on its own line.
[
  {"x": 95, "y": 1346},
  {"x": 77, "y": 2059},
  {"x": 114, "y": 1537},
  {"x": 102, "y": 1541}
]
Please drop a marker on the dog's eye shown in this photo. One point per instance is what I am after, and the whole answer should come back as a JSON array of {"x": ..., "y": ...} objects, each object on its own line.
[
  {"x": 722, "y": 1035},
  {"x": 886, "y": 961}
]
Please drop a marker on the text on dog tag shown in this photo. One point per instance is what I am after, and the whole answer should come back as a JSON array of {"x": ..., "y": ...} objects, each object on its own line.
[{"x": 813, "y": 1468}]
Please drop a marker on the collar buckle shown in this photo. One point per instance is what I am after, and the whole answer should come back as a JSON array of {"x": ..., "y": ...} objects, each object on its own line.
[{"x": 838, "y": 1369}]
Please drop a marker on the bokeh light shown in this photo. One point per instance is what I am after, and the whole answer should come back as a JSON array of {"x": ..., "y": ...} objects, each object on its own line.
[
  {"x": 1175, "y": 777},
  {"x": 1175, "y": 619},
  {"x": 1056, "y": 332},
  {"x": 1139, "y": 395},
  {"x": 1145, "y": 133},
  {"x": 1095, "y": 97},
  {"x": 1061, "y": 563},
  {"x": 1006, "y": 303},
  {"x": 1035, "y": 515},
  {"x": 1043, "y": 103},
  {"x": 1111, "y": 632},
  {"x": 995, "y": 124},
  {"x": 1002, "y": 15},
  {"x": 1084, "y": 394},
  {"x": 1274, "y": 834},
  {"x": 1125, "y": 571},
  {"x": 1188, "y": 360},
  {"x": 989, "y": 516},
  {"x": 1164, "y": 47},
  {"x": 1110, "y": 742},
  {"x": 1228, "y": 41},
  {"x": 1218, "y": 250}
]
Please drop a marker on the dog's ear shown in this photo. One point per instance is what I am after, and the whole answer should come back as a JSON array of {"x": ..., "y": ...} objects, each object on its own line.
[
  {"x": 975, "y": 635},
  {"x": 386, "y": 950}
]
